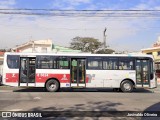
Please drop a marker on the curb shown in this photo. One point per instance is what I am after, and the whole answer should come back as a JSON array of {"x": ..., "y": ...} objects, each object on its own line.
[{"x": 6, "y": 91}]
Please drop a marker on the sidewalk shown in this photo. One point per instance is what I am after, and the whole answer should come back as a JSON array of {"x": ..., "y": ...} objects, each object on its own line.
[
  {"x": 157, "y": 90},
  {"x": 9, "y": 88}
]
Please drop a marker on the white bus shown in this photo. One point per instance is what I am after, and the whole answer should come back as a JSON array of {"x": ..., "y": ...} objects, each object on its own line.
[{"x": 54, "y": 71}]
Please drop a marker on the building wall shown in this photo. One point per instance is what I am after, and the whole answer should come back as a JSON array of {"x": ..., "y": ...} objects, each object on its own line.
[
  {"x": 154, "y": 52},
  {"x": 1, "y": 57},
  {"x": 36, "y": 48},
  {"x": 44, "y": 46},
  {"x": 1, "y": 60}
]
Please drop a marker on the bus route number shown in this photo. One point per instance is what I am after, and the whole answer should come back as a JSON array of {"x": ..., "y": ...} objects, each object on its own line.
[{"x": 42, "y": 75}]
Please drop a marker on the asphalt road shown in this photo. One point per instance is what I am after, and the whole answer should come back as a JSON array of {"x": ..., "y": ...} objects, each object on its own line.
[{"x": 36, "y": 99}]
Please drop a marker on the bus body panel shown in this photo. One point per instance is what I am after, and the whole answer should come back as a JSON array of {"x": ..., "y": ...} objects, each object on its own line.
[
  {"x": 10, "y": 76},
  {"x": 94, "y": 78},
  {"x": 108, "y": 78},
  {"x": 63, "y": 76}
]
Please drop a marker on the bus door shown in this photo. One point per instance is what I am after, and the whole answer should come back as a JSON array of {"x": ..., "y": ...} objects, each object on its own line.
[
  {"x": 142, "y": 72},
  {"x": 27, "y": 71},
  {"x": 78, "y": 72}
]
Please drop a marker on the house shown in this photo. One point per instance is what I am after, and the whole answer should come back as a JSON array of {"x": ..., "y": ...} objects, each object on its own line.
[
  {"x": 34, "y": 46},
  {"x": 1, "y": 57},
  {"x": 43, "y": 46},
  {"x": 155, "y": 51}
]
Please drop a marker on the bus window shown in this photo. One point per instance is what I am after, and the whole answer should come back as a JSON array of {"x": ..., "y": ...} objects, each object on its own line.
[
  {"x": 13, "y": 61},
  {"x": 61, "y": 63},
  {"x": 110, "y": 64},
  {"x": 125, "y": 64},
  {"x": 74, "y": 63},
  {"x": 94, "y": 64},
  {"x": 105, "y": 64},
  {"x": 44, "y": 62}
]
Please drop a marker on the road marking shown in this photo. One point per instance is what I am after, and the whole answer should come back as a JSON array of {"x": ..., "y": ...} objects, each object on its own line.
[
  {"x": 36, "y": 98},
  {"x": 16, "y": 110}
]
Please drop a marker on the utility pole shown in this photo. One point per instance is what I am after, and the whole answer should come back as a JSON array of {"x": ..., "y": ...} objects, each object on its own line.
[{"x": 104, "y": 38}]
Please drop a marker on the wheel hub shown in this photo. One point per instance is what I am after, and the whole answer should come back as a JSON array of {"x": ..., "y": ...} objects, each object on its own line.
[
  {"x": 127, "y": 86},
  {"x": 52, "y": 86}
]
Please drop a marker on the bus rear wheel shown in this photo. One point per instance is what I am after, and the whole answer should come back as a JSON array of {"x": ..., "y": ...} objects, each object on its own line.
[
  {"x": 52, "y": 85},
  {"x": 127, "y": 86}
]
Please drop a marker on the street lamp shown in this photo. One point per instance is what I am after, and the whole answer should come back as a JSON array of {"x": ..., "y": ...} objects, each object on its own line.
[{"x": 104, "y": 38}]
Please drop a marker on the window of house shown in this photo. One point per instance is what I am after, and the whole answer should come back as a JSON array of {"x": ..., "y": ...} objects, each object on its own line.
[
  {"x": 150, "y": 53},
  {"x": 158, "y": 53},
  {"x": 43, "y": 49}
]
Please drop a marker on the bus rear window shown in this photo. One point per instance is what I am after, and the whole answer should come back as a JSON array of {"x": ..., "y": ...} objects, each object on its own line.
[{"x": 13, "y": 61}]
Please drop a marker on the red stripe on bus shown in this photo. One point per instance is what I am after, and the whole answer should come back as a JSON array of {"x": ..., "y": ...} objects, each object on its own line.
[
  {"x": 12, "y": 77},
  {"x": 43, "y": 77}
]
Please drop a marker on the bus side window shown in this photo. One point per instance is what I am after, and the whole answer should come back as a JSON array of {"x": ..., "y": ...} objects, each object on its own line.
[
  {"x": 125, "y": 64},
  {"x": 44, "y": 62},
  {"x": 112, "y": 64},
  {"x": 94, "y": 64},
  {"x": 105, "y": 65},
  {"x": 61, "y": 63},
  {"x": 13, "y": 61}
]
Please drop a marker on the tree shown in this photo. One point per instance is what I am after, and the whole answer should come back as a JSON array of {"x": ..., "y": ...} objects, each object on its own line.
[
  {"x": 105, "y": 51},
  {"x": 89, "y": 44},
  {"x": 85, "y": 44}
]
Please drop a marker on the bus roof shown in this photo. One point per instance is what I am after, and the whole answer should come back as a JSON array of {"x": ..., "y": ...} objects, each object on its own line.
[{"x": 79, "y": 54}]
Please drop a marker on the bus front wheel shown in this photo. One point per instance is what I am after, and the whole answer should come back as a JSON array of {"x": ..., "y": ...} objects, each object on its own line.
[
  {"x": 126, "y": 86},
  {"x": 52, "y": 85}
]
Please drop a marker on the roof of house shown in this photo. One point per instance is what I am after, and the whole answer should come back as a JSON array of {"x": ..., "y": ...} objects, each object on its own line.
[
  {"x": 64, "y": 49},
  {"x": 2, "y": 53},
  {"x": 153, "y": 48},
  {"x": 44, "y": 42}
]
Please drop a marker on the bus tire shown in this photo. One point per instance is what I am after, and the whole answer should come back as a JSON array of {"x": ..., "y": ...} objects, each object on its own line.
[
  {"x": 127, "y": 86},
  {"x": 52, "y": 85}
]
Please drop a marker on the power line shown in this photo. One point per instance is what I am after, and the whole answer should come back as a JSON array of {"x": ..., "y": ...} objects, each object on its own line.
[
  {"x": 26, "y": 9},
  {"x": 82, "y": 13},
  {"x": 85, "y": 14}
]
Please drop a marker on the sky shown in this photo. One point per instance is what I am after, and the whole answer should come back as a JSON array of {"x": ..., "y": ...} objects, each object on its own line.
[{"x": 123, "y": 33}]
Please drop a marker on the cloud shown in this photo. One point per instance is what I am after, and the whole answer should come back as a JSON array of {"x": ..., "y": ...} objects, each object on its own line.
[
  {"x": 7, "y": 3},
  {"x": 20, "y": 29},
  {"x": 105, "y": 4},
  {"x": 68, "y": 4},
  {"x": 147, "y": 5},
  {"x": 122, "y": 33}
]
